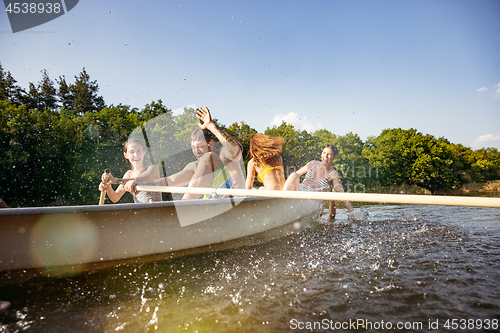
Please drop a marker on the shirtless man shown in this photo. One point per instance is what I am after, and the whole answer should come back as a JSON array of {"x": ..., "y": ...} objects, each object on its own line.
[{"x": 212, "y": 168}]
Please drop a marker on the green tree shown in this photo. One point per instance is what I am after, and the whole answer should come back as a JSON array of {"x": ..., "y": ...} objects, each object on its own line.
[
  {"x": 243, "y": 133},
  {"x": 66, "y": 99},
  {"x": 34, "y": 164},
  {"x": 492, "y": 155},
  {"x": 43, "y": 96},
  {"x": 31, "y": 100},
  {"x": 9, "y": 89},
  {"x": 291, "y": 158},
  {"x": 47, "y": 92},
  {"x": 85, "y": 98},
  {"x": 324, "y": 137},
  {"x": 3, "y": 84},
  {"x": 407, "y": 156},
  {"x": 356, "y": 172}
]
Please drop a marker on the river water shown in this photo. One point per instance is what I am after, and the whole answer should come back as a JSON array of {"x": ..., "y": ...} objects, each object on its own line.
[{"x": 402, "y": 268}]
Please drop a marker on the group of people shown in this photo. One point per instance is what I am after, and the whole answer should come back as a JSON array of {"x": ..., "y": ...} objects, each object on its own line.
[{"x": 221, "y": 168}]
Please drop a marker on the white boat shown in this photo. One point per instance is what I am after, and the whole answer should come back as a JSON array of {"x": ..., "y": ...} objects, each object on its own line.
[{"x": 51, "y": 237}]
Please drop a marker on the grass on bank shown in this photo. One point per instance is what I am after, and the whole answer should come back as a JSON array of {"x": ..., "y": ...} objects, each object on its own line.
[{"x": 488, "y": 187}]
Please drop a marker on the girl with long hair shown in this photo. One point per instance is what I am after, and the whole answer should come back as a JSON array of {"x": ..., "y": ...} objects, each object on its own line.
[
  {"x": 134, "y": 151},
  {"x": 266, "y": 162}
]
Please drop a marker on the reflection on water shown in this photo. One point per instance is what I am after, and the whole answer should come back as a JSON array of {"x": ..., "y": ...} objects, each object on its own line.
[{"x": 401, "y": 264}]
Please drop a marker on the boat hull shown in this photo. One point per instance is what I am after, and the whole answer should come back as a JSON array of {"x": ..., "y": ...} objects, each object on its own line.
[{"x": 61, "y": 236}]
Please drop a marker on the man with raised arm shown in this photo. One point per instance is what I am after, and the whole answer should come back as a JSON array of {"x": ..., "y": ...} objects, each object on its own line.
[{"x": 214, "y": 168}]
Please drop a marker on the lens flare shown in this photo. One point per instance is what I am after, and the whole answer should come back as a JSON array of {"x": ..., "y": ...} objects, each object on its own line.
[{"x": 63, "y": 240}]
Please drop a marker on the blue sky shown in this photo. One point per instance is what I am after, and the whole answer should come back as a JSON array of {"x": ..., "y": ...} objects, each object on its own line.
[{"x": 347, "y": 66}]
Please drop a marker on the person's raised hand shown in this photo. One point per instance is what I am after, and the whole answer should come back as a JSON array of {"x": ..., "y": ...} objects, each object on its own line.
[{"x": 204, "y": 116}]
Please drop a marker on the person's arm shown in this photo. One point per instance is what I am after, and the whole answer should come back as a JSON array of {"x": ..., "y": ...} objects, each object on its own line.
[
  {"x": 113, "y": 195},
  {"x": 180, "y": 178},
  {"x": 151, "y": 173},
  {"x": 250, "y": 174},
  {"x": 302, "y": 171},
  {"x": 337, "y": 186},
  {"x": 183, "y": 177},
  {"x": 232, "y": 149},
  {"x": 293, "y": 181}
]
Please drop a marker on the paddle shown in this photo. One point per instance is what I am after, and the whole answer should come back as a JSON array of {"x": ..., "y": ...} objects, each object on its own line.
[
  {"x": 340, "y": 196},
  {"x": 107, "y": 182},
  {"x": 109, "y": 179}
]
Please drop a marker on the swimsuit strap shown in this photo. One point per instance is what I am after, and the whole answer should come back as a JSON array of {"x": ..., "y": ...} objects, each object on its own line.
[
  {"x": 309, "y": 172},
  {"x": 263, "y": 173},
  {"x": 321, "y": 182}
]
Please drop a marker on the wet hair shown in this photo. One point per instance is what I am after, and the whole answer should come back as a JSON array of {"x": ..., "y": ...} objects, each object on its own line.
[
  {"x": 202, "y": 134},
  {"x": 333, "y": 148},
  {"x": 264, "y": 147},
  {"x": 129, "y": 141}
]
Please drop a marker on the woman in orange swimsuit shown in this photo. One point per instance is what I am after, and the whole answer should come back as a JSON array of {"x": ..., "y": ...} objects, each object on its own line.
[{"x": 266, "y": 161}]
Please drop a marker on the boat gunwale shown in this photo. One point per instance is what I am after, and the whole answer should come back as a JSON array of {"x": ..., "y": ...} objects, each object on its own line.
[{"x": 121, "y": 206}]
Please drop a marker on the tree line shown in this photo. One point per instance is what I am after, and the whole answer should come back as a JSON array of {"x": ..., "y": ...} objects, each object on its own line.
[{"x": 57, "y": 137}]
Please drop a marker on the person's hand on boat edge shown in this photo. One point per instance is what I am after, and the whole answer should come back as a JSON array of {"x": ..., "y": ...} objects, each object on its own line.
[{"x": 130, "y": 186}]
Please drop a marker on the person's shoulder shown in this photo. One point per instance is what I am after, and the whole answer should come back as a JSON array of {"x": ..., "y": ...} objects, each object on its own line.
[
  {"x": 154, "y": 168},
  {"x": 311, "y": 163},
  {"x": 127, "y": 174},
  {"x": 334, "y": 174},
  {"x": 191, "y": 166}
]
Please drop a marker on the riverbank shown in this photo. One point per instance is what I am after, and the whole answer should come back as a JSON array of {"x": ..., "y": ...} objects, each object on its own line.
[{"x": 492, "y": 186}]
